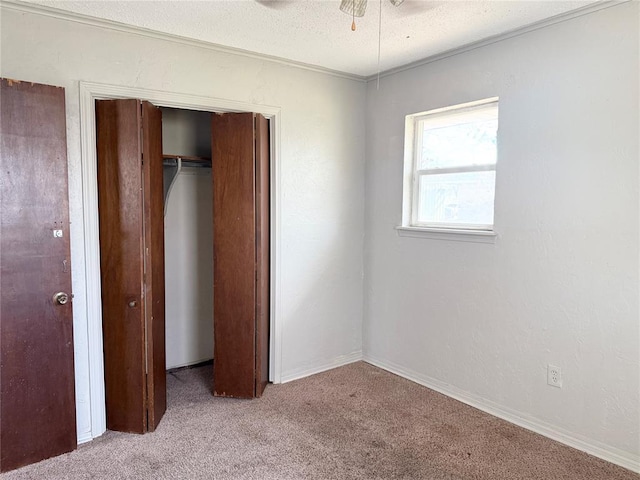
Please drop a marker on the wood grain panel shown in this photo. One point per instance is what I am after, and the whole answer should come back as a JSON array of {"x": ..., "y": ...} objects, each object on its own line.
[
  {"x": 262, "y": 253},
  {"x": 234, "y": 254},
  {"x": 37, "y": 398},
  {"x": 121, "y": 262},
  {"x": 154, "y": 262}
]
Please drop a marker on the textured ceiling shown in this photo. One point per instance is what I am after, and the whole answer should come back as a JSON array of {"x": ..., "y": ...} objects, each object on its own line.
[{"x": 316, "y": 32}]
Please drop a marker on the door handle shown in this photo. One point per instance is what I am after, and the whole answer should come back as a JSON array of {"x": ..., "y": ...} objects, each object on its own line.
[
  {"x": 60, "y": 298},
  {"x": 133, "y": 303}
]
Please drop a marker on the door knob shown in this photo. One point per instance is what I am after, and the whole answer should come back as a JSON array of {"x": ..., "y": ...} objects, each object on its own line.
[
  {"x": 60, "y": 298},
  {"x": 133, "y": 303}
]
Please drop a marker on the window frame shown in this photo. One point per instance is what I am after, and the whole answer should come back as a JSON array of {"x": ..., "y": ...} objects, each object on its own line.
[{"x": 412, "y": 175}]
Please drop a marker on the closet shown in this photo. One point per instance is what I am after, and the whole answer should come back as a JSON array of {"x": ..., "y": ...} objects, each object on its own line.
[
  {"x": 136, "y": 301},
  {"x": 188, "y": 236}
]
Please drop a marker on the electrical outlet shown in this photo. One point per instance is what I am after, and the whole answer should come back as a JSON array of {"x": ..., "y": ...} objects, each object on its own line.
[{"x": 554, "y": 376}]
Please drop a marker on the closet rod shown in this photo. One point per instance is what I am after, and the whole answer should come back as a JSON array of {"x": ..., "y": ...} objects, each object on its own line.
[{"x": 187, "y": 160}]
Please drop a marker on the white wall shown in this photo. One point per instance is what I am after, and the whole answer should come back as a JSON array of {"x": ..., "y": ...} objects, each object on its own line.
[
  {"x": 322, "y": 167},
  {"x": 560, "y": 285},
  {"x": 186, "y": 132},
  {"x": 188, "y": 241}
]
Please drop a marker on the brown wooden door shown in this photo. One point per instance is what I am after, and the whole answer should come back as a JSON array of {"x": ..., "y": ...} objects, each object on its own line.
[
  {"x": 37, "y": 398},
  {"x": 130, "y": 203},
  {"x": 241, "y": 253},
  {"x": 153, "y": 199}
]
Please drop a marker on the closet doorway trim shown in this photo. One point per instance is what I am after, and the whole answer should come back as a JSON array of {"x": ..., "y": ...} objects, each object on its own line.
[{"x": 92, "y": 347}]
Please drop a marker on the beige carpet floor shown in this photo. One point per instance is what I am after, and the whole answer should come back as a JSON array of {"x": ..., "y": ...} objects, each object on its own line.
[{"x": 354, "y": 422}]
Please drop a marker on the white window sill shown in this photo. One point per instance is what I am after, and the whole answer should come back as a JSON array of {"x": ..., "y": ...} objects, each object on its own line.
[{"x": 473, "y": 236}]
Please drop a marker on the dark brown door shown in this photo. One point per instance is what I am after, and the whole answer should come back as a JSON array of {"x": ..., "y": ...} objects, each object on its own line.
[
  {"x": 130, "y": 203},
  {"x": 154, "y": 262},
  {"x": 241, "y": 258},
  {"x": 37, "y": 399}
]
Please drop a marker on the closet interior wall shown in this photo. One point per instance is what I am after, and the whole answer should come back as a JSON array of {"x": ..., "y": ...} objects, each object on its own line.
[{"x": 188, "y": 241}]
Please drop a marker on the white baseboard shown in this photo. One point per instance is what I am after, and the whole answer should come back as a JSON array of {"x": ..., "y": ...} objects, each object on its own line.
[
  {"x": 590, "y": 446},
  {"x": 322, "y": 367},
  {"x": 84, "y": 438},
  {"x": 188, "y": 364}
]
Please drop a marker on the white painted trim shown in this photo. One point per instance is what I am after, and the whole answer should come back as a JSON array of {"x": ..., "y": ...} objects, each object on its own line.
[
  {"x": 146, "y": 32},
  {"x": 323, "y": 367},
  {"x": 89, "y": 93},
  {"x": 544, "y": 23},
  {"x": 87, "y": 437},
  {"x": 92, "y": 262},
  {"x": 275, "y": 333},
  {"x": 472, "y": 236},
  {"x": 588, "y": 445}
]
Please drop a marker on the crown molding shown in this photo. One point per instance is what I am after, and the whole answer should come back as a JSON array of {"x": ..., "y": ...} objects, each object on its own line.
[
  {"x": 24, "y": 7},
  {"x": 547, "y": 22}
]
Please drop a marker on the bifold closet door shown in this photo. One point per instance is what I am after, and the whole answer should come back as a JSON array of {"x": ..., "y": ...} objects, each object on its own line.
[
  {"x": 130, "y": 203},
  {"x": 240, "y": 162},
  {"x": 37, "y": 398},
  {"x": 263, "y": 233}
]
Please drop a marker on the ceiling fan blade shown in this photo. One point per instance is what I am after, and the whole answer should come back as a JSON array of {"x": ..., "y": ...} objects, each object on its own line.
[
  {"x": 354, "y": 7},
  {"x": 275, "y": 4},
  {"x": 395, "y": 3}
]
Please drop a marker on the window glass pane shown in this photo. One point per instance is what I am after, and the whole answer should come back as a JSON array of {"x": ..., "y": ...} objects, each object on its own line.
[
  {"x": 456, "y": 198},
  {"x": 471, "y": 143}
]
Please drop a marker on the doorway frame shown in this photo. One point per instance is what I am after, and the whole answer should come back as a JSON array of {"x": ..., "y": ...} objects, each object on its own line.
[{"x": 89, "y": 93}]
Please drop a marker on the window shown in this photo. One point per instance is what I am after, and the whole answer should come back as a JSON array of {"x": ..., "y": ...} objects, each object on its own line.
[{"x": 450, "y": 168}]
